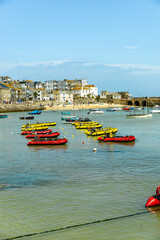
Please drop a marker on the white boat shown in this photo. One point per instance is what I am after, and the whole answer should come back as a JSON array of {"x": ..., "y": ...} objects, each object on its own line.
[
  {"x": 147, "y": 115},
  {"x": 155, "y": 110},
  {"x": 156, "y": 106},
  {"x": 114, "y": 109},
  {"x": 95, "y": 111}
]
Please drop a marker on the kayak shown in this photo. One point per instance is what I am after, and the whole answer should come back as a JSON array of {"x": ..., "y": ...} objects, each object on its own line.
[
  {"x": 47, "y": 135},
  {"x": 48, "y": 142},
  {"x": 37, "y": 132},
  {"x": 117, "y": 139}
]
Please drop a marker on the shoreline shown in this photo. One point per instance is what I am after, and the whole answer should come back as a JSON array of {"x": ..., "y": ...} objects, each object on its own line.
[
  {"x": 6, "y": 108},
  {"x": 82, "y": 106}
]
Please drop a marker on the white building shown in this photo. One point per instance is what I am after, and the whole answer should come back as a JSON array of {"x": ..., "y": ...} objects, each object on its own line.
[
  {"x": 38, "y": 85},
  {"x": 64, "y": 85},
  {"x": 86, "y": 91},
  {"x": 111, "y": 95},
  {"x": 63, "y": 96}
]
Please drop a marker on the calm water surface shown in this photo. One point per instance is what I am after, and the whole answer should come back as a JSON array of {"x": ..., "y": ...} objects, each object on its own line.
[{"x": 45, "y": 188}]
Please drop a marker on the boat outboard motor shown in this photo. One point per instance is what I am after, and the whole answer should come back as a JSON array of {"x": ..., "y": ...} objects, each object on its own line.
[{"x": 155, "y": 199}]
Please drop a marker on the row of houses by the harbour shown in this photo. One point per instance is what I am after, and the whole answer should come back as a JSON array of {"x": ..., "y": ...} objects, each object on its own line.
[{"x": 61, "y": 91}]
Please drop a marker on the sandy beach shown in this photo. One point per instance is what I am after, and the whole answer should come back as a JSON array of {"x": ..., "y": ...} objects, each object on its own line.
[
  {"x": 24, "y": 107},
  {"x": 81, "y": 106}
]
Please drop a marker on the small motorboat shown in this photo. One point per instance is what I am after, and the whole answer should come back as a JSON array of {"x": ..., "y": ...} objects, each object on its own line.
[
  {"x": 128, "y": 109},
  {"x": 3, "y": 116},
  {"x": 114, "y": 109},
  {"x": 95, "y": 111},
  {"x": 37, "y": 132},
  {"x": 155, "y": 199},
  {"x": 110, "y": 109},
  {"x": 155, "y": 109},
  {"x": 65, "y": 113},
  {"x": 26, "y": 118},
  {"x": 117, "y": 139},
  {"x": 35, "y": 112},
  {"x": 48, "y": 142},
  {"x": 42, "y": 135},
  {"x": 70, "y": 118}
]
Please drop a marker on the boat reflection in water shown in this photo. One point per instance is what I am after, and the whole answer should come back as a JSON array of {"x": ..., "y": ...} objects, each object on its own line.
[
  {"x": 155, "y": 209},
  {"x": 36, "y": 148},
  {"x": 119, "y": 143}
]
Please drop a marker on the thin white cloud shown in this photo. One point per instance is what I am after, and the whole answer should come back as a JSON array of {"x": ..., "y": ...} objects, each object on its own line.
[
  {"x": 134, "y": 69},
  {"x": 90, "y": 64},
  {"x": 137, "y": 69},
  {"x": 4, "y": 66},
  {"x": 132, "y": 47},
  {"x": 45, "y": 63}
]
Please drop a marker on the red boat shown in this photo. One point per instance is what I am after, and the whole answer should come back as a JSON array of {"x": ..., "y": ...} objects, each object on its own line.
[
  {"x": 48, "y": 142},
  {"x": 155, "y": 199},
  {"x": 37, "y": 132},
  {"x": 117, "y": 139},
  {"x": 47, "y": 135}
]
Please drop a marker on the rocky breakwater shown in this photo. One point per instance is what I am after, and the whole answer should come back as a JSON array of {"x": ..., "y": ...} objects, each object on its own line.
[{"x": 20, "y": 107}]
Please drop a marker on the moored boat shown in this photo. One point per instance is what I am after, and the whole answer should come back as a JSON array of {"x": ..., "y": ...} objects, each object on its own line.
[
  {"x": 155, "y": 199},
  {"x": 117, "y": 139},
  {"x": 39, "y": 124},
  {"x": 155, "y": 110},
  {"x": 85, "y": 123},
  {"x": 26, "y": 118},
  {"x": 128, "y": 109},
  {"x": 3, "y": 116},
  {"x": 34, "y": 128},
  {"x": 114, "y": 109},
  {"x": 48, "y": 142},
  {"x": 46, "y": 135},
  {"x": 141, "y": 115},
  {"x": 95, "y": 111},
  {"x": 70, "y": 118},
  {"x": 88, "y": 126},
  {"x": 37, "y": 132},
  {"x": 98, "y": 132},
  {"x": 65, "y": 113},
  {"x": 35, "y": 112}
]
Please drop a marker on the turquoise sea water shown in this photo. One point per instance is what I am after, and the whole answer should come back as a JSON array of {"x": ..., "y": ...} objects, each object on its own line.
[{"x": 46, "y": 188}]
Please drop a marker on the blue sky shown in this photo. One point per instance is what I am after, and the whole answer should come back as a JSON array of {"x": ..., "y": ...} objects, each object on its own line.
[{"x": 114, "y": 44}]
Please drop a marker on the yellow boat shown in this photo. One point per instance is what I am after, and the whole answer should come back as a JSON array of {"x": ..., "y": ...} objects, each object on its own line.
[
  {"x": 39, "y": 124},
  {"x": 34, "y": 128},
  {"x": 99, "y": 132},
  {"x": 85, "y": 123},
  {"x": 88, "y": 126}
]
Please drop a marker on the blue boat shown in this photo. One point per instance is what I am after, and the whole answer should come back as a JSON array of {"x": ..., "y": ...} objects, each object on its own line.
[
  {"x": 70, "y": 118},
  {"x": 35, "y": 112},
  {"x": 3, "y": 116},
  {"x": 67, "y": 113}
]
